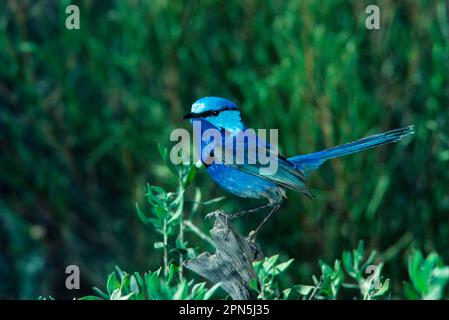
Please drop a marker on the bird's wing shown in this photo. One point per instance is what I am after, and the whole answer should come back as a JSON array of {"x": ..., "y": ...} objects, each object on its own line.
[{"x": 249, "y": 147}]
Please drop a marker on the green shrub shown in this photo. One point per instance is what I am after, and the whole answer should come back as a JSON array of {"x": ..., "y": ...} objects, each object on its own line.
[{"x": 354, "y": 276}]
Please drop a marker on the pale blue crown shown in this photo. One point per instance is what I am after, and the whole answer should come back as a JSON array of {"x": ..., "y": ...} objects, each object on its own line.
[{"x": 211, "y": 103}]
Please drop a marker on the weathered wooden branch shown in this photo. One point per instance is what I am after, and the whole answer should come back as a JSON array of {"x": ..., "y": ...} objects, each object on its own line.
[{"x": 231, "y": 264}]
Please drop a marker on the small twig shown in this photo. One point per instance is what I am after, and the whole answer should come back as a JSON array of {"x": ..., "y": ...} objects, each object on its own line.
[
  {"x": 165, "y": 248},
  {"x": 193, "y": 228},
  {"x": 181, "y": 235}
]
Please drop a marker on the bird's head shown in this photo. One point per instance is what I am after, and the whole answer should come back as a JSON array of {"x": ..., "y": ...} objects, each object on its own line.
[{"x": 220, "y": 112}]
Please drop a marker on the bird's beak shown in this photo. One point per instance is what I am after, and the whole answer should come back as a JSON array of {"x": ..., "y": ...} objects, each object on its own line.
[{"x": 190, "y": 115}]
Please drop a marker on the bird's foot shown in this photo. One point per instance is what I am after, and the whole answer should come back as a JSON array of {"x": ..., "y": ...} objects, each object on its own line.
[
  {"x": 252, "y": 237},
  {"x": 221, "y": 218},
  {"x": 210, "y": 215}
]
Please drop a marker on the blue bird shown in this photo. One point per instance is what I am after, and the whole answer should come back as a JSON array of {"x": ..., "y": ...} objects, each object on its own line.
[{"x": 246, "y": 180}]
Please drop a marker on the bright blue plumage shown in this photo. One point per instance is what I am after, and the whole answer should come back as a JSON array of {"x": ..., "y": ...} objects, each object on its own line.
[
  {"x": 236, "y": 180},
  {"x": 245, "y": 180},
  {"x": 312, "y": 161}
]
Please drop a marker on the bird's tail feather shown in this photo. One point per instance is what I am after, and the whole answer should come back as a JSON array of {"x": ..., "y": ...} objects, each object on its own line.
[{"x": 312, "y": 161}]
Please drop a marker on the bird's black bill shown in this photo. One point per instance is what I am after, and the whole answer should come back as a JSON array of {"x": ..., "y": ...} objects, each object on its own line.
[
  {"x": 208, "y": 113},
  {"x": 190, "y": 115}
]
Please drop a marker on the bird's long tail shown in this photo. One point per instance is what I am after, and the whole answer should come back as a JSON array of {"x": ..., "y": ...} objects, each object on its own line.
[{"x": 312, "y": 161}]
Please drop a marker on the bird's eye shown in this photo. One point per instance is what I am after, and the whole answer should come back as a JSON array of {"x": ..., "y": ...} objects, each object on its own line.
[{"x": 215, "y": 113}]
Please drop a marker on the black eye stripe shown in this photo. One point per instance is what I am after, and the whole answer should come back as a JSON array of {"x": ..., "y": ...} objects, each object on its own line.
[{"x": 212, "y": 113}]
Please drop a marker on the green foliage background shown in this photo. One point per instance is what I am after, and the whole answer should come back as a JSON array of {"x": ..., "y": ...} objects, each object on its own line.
[{"x": 82, "y": 112}]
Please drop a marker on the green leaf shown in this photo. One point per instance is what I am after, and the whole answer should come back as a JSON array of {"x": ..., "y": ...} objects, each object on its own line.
[
  {"x": 211, "y": 291},
  {"x": 181, "y": 292},
  {"x": 414, "y": 264},
  {"x": 369, "y": 260},
  {"x": 134, "y": 284},
  {"x": 155, "y": 195},
  {"x": 282, "y": 267},
  {"x": 120, "y": 273},
  {"x": 102, "y": 294},
  {"x": 141, "y": 215},
  {"x": 303, "y": 290},
  {"x": 410, "y": 292},
  {"x": 286, "y": 293},
  {"x": 112, "y": 283},
  {"x": 128, "y": 296},
  {"x": 215, "y": 200},
  {"x": 152, "y": 284},
  {"x": 158, "y": 245},
  {"x": 269, "y": 263},
  {"x": 197, "y": 292},
  {"x": 190, "y": 176},
  {"x": 257, "y": 265},
  {"x": 161, "y": 212},
  {"x": 347, "y": 264},
  {"x": 171, "y": 272},
  {"x": 325, "y": 268},
  {"x": 157, "y": 223},
  {"x": 253, "y": 284},
  {"x": 439, "y": 280},
  {"x": 117, "y": 295},
  {"x": 175, "y": 217},
  {"x": 163, "y": 151},
  {"x": 181, "y": 244},
  {"x": 125, "y": 282},
  {"x": 383, "y": 289},
  {"x": 90, "y": 298}
]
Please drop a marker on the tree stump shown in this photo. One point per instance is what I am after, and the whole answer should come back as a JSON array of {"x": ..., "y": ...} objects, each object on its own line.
[{"x": 231, "y": 264}]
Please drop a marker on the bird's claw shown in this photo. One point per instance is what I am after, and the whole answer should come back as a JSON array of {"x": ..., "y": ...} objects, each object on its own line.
[
  {"x": 221, "y": 218},
  {"x": 208, "y": 216},
  {"x": 252, "y": 236}
]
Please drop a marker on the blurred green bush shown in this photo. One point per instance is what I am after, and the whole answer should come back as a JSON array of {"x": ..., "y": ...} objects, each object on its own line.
[{"x": 82, "y": 112}]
